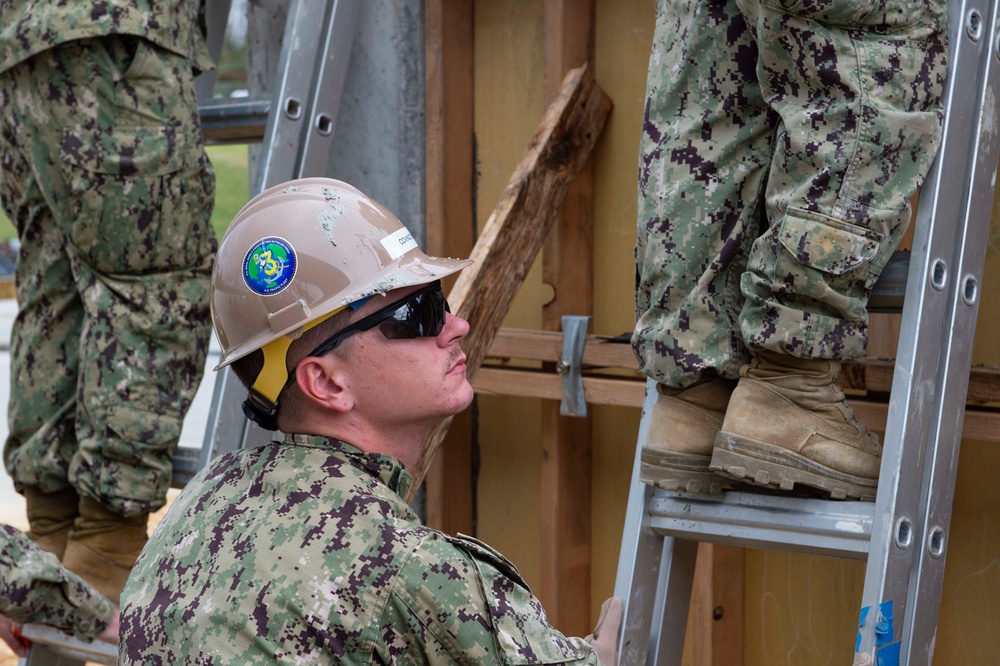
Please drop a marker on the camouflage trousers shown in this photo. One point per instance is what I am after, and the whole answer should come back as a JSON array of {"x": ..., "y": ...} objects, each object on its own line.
[
  {"x": 105, "y": 177},
  {"x": 781, "y": 144}
]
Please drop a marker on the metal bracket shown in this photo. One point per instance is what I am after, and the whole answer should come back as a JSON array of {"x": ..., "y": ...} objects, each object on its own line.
[{"x": 574, "y": 402}]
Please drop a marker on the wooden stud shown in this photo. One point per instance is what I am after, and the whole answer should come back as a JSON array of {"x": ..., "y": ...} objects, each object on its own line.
[
  {"x": 716, "y": 616},
  {"x": 567, "y": 266},
  {"x": 450, "y": 167}
]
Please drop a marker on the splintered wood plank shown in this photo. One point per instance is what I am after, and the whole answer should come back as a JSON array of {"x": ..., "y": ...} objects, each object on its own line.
[
  {"x": 516, "y": 229},
  {"x": 567, "y": 266}
]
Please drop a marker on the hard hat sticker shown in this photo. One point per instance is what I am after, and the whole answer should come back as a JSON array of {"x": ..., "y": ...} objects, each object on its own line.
[
  {"x": 399, "y": 243},
  {"x": 269, "y": 266}
]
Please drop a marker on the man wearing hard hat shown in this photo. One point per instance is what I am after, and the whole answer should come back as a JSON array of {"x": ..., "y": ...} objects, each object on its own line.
[{"x": 304, "y": 550}]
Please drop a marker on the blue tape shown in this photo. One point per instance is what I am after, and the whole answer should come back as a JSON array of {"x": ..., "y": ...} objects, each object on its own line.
[
  {"x": 884, "y": 630},
  {"x": 361, "y": 301},
  {"x": 888, "y": 655},
  {"x": 861, "y": 623}
]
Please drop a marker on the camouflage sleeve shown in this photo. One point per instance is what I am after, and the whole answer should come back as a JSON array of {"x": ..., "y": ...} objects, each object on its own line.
[
  {"x": 458, "y": 601},
  {"x": 35, "y": 587}
]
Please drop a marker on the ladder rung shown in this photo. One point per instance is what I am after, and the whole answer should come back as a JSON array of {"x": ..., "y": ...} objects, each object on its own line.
[
  {"x": 65, "y": 649},
  {"x": 756, "y": 520}
]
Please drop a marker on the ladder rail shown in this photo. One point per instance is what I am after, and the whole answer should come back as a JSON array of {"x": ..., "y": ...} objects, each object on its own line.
[
  {"x": 307, "y": 91},
  {"x": 904, "y": 576},
  {"x": 639, "y": 559},
  {"x": 297, "y": 141}
]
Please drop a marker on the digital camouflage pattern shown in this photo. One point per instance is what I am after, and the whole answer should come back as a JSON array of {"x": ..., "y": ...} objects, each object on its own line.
[
  {"x": 305, "y": 552},
  {"x": 781, "y": 144},
  {"x": 104, "y": 175},
  {"x": 28, "y": 27},
  {"x": 34, "y": 587}
]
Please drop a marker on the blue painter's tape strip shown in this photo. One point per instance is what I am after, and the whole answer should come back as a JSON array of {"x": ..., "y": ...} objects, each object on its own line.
[
  {"x": 861, "y": 623},
  {"x": 888, "y": 655},
  {"x": 884, "y": 629}
]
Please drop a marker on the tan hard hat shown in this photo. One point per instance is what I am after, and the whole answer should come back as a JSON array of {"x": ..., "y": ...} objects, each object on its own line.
[{"x": 302, "y": 250}]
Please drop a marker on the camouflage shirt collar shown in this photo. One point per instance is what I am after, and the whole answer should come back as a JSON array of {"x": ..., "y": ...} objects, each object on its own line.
[{"x": 385, "y": 468}]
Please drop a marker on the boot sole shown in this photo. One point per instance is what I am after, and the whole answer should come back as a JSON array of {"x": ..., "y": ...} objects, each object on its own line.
[
  {"x": 681, "y": 472},
  {"x": 773, "y": 467}
]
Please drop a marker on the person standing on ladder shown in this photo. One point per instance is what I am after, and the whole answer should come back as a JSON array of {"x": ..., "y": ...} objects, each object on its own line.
[
  {"x": 104, "y": 175},
  {"x": 781, "y": 145},
  {"x": 304, "y": 550}
]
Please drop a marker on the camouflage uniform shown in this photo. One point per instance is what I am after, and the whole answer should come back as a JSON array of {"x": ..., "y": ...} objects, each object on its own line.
[
  {"x": 304, "y": 551},
  {"x": 34, "y": 587},
  {"x": 781, "y": 144},
  {"x": 105, "y": 177}
]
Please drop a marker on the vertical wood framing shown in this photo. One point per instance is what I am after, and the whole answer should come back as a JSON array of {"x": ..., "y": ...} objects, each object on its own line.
[
  {"x": 567, "y": 265},
  {"x": 448, "y": 28},
  {"x": 716, "y": 618}
]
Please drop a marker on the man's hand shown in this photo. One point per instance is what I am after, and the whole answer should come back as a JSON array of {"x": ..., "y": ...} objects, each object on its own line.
[
  {"x": 604, "y": 640},
  {"x": 11, "y": 635},
  {"x": 110, "y": 633}
]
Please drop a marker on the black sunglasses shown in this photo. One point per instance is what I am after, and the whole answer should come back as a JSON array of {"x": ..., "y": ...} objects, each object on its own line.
[{"x": 419, "y": 315}]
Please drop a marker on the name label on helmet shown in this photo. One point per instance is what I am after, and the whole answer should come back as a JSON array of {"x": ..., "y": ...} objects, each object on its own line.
[
  {"x": 269, "y": 266},
  {"x": 399, "y": 243}
]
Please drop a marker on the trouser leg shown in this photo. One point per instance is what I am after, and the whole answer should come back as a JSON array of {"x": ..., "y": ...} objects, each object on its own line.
[
  {"x": 857, "y": 87},
  {"x": 858, "y": 94},
  {"x": 45, "y": 333},
  {"x": 705, "y": 148},
  {"x": 112, "y": 130}
]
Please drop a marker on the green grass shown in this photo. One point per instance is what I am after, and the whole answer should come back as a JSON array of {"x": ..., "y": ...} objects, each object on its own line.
[
  {"x": 231, "y": 184},
  {"x": 231, "y": 189}
]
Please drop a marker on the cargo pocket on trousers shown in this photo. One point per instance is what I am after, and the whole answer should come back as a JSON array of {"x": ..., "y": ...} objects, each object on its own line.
[
  {"x": 831, "y": 246},
  {"x": 138, "y": 448},
  {"x": 139, "y": 196},
  {"x": 522, "y": 632}
]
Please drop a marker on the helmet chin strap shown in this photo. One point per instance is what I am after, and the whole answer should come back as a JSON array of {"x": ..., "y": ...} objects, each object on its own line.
[{"x": 261, "y": 405}]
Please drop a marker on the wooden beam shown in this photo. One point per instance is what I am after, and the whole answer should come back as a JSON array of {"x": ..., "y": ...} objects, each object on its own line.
[
  {"x": 875, "y": 375},
  {"x": 518, "y": 225},
  {"x": 981, "y": 424},
  {"x": 567, "y": 266},
  {"x": 450, "y": 169},
  {"x": 716, "y": 616},
  {"x": 865, "y": 374}
]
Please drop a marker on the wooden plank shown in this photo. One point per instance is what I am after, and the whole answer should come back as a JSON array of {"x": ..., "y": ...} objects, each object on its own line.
[
  {"x": 875, "y": 375},
  {"x": 567, "y": 266},
  {"x": 519, "y": 343},
  {"x": 450, "y": 173},
  {"x": 982, "y": 424},
  {"x": 548, "y": 386},
  {"x": 716, "y": 616},
  {"x": 518, "y": 225},
  {"x": 865, "y": 374}
]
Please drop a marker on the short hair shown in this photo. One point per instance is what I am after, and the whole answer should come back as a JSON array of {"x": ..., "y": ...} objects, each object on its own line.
[{"x": 247, "y": 368}]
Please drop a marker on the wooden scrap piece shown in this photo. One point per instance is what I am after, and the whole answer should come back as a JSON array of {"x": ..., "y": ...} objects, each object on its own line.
[{"x": 520, "y": 222}]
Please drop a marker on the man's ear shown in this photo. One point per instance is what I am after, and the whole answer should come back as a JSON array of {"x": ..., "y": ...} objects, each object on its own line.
[{"x": 322, "y": 382}]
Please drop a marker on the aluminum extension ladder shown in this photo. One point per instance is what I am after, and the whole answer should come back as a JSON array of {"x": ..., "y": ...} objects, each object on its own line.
[
  {"x": 904, "y": 533},
  {"x": 301, "y": 116}
]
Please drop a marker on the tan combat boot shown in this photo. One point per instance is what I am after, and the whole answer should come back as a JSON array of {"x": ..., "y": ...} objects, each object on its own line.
[
  {"x": 103, "y": 546},
  {"x": 682, "y": 431},
  {"x": 788, "y": 423},
  {"x": 50, "y": 517}
]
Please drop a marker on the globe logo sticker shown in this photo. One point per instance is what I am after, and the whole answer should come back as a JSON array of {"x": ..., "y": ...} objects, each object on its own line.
[{"x": 269, "y": 266}]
